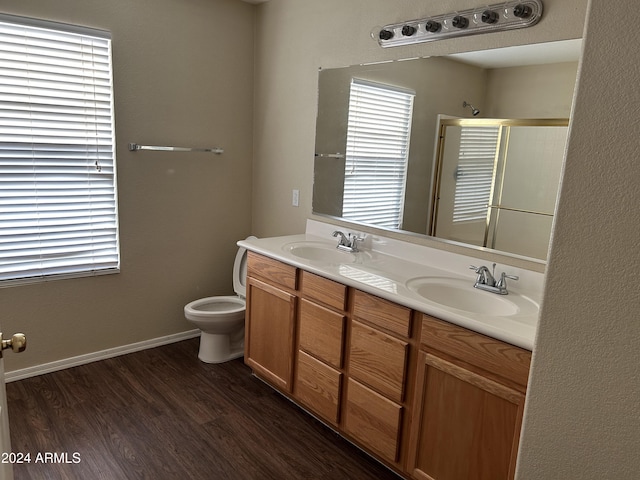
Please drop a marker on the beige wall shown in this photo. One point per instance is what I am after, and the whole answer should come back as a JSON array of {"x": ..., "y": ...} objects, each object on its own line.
[
  {"x": 535, "y": 91},
  {"x": 178, "y": 81},
  {"x": 582, "y": 415}
]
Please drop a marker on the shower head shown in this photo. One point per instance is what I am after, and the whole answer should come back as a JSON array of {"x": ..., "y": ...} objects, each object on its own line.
[{"x": 474, "y": 110}]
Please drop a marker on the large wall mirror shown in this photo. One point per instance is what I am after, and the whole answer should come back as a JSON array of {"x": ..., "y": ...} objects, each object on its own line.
[{"x": 403, "y": 145}]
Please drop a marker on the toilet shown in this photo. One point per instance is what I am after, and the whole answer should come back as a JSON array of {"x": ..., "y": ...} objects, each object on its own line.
[{"x": 221, "y": 319}]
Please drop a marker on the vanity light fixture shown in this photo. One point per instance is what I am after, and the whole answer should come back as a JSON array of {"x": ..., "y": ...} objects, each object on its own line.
[{"x": 492, "y": 18}]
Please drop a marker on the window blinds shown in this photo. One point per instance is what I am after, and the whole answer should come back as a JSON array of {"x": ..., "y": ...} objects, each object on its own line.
[
  {"x": 378, "y": 132},
  {"x": 474, "y": 175},
  {"x": 58, "y": 210}
]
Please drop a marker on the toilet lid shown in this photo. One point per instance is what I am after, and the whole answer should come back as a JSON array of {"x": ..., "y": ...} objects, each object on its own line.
[{"x": 240, "y": 271}]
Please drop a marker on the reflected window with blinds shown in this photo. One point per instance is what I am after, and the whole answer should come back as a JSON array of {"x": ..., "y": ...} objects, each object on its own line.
[
  {"x": 58, "y": 205},
  {"x": 378, "y": 132},
  {"x": 474, "y": 173}
]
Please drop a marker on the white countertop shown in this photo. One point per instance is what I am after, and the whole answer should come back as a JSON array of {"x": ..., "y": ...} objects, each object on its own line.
[{"x": 384, "y": 266}]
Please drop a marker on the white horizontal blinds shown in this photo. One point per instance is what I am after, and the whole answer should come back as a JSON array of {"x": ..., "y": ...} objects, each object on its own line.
[
  {"x": 474, "y": 175},
  {"x": 377, "y": 150},
  {"x": 58, "y": 212}
]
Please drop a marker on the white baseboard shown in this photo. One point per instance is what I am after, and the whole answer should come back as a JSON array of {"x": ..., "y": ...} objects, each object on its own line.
[{"x": 23, "y": 373}]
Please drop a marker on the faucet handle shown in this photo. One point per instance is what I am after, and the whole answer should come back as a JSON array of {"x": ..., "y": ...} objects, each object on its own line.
[
  {"x": 480, "y": 279},
  {"x": 481, "y": 269},
  {"x": 477, "y": 269},
  {"x": 354, "y": 237},
  {"x": 502, "y": 283}
]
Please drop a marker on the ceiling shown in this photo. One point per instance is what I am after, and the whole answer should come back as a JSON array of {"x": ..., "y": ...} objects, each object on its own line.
[{"x": 521, "y": 55}]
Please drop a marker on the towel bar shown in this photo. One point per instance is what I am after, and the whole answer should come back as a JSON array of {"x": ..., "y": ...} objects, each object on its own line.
[{"x": 134, "y": 147}]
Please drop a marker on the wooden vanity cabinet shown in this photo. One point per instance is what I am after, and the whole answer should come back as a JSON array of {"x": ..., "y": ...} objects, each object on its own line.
[
  {"x": 468, "y": 405},
  {"x": 270, "y": 319},
  {"x": 432, "y": 400}
]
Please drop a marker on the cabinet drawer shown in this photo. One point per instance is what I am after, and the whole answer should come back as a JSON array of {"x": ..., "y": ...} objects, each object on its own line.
[
  {"x": 378, "y": 360},
  {"x": 373, "y": 420},
  {"x": 487, "y": 353},
  {"x": 271, "y": 270},
  {"x": 321, "y": 332},
  {"x": 318, "y": 386},
  {"x": 382, "y": 313},
  {"x": 323, "y": 290}
]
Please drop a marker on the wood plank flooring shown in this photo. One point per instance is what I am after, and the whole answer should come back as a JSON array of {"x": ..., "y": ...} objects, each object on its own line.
[{"x": 162, "y": 414}]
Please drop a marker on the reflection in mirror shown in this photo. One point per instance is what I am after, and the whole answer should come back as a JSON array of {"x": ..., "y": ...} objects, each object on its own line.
[
  {"x": 496, "y": 181},
  {"x": 378, "y": 127}
]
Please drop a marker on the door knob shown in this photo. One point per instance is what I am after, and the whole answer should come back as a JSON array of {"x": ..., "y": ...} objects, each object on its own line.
[{"x": 17, "y": 343}]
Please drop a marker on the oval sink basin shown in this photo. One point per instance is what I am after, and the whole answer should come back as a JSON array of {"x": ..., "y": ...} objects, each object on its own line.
[
  {"x": 320, "y": 252},
  {"x": 461, "y": 295}
]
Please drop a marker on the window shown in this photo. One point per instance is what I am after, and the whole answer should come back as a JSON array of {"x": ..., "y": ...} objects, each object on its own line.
[
  {"x": 377, "y": 151},
  {"x": 474, "y": 175},
  {"x": 58, "y": 209}
]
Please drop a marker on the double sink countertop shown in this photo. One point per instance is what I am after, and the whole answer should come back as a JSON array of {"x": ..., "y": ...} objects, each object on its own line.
[{"x": 428, "y": 280}]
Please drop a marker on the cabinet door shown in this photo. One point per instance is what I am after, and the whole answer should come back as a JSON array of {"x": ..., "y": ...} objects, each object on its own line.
[
  {"x": 270, "y": 332},
  {"x": 464, "y": 426}
]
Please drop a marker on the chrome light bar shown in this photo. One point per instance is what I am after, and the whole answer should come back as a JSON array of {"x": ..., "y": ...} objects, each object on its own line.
[{"x": 493, "y": 18}]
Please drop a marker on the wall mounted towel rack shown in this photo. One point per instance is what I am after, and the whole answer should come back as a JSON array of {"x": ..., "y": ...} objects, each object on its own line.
[{"x": 134, "y": 147}]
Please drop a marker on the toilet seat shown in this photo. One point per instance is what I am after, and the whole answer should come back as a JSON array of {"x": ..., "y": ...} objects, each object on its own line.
[
  {"x": 206, "y": 307},
  {"x": 240, "y": 272}
]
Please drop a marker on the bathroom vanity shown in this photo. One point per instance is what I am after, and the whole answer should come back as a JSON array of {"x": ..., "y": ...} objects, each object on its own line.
[{"x": 356, "y": 339}]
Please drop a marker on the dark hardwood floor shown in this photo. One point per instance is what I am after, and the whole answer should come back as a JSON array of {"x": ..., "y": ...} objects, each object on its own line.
[{"x": 162, "y": 414}]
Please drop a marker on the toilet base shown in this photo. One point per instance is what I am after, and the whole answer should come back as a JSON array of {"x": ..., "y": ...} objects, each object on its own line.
[{"x": 219, "y": 348}]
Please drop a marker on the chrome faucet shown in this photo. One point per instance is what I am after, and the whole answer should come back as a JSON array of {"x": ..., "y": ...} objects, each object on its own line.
[
  {"x": 486, "y": 280},
  {"x": 348, "y": 242}
]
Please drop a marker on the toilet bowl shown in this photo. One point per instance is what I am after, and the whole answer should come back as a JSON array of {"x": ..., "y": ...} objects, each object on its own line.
[{"x": 221, "y": 319}]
